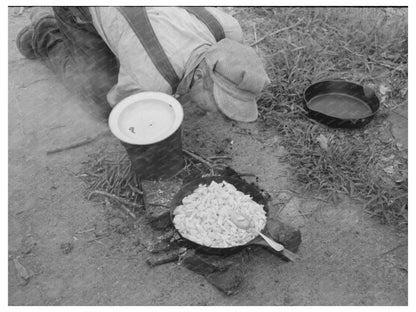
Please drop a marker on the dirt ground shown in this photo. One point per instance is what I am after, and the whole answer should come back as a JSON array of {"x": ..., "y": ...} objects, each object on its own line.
[{"x": 347, "y": 258}]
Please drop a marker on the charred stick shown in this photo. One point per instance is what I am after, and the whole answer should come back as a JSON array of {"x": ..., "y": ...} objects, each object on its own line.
[{"x": 165, "y": 257}]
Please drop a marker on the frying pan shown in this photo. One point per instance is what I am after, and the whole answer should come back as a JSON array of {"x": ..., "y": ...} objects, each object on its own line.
[
  {"x": 340, "y": 104},
  {"x": 240, "y": 185}
]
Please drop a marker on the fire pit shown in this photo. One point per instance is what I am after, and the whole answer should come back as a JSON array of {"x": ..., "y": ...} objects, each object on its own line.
[{"x": 222, "y": 267}]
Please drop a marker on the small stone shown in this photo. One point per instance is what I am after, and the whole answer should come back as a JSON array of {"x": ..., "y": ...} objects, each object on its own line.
[
  {"x": 284, "y": 197},
  {"x": 22, "y": 272},
  {"x": 67, "y": 248}
]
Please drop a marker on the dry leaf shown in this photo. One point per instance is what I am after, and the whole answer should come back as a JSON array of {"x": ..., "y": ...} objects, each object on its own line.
[
  {"x": 384, "y": 89},
  {"x": 323, "y": 141}
]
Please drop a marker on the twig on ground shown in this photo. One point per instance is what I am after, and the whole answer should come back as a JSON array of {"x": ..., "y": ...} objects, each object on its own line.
[
  {"x": 86, "y": 231},
  {"x": 393, "y": 249},
  {"x": 352, "y": 52},
  {"x": 115, "y": 197},
  {"x": 144, "y": 196},
  {"x": 98, "y": 242},
  {"x": 199, "y": 158},
  {"x": 158, "y": 205},
  {"x": 219, "y": 157},
  {"x": 135, "y": 189},
  {"x": 24, "y": 86},
  {"x": 275, "y": 32},
  {"x": 57, "y": 127},
  {"x": 401, "y": 115},
  {"x": 97, "y": 239},
  {"x": 78, "y": 144},
  {"x": 129, "y": 212},
  {"x": 389, "y": 109},
  {"x": 393, "y": 67}
]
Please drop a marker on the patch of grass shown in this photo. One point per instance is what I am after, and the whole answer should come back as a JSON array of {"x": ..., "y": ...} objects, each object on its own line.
[
  {"x": 363, "y": 45},
  {"x": 112, "y": 175},
  {"x": 352, "y": 163}
]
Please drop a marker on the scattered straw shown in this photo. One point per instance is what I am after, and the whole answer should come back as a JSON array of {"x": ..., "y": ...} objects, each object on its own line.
[{"x": 112, "y": 178}]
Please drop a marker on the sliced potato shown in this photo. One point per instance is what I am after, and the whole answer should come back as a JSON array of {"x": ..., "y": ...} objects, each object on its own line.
[{"x": 205, "y": 215}]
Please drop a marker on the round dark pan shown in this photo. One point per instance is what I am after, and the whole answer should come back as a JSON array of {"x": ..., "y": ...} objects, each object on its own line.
[
  {"x": 240, "y": 185},
  {"x": 340, "y": 104}
]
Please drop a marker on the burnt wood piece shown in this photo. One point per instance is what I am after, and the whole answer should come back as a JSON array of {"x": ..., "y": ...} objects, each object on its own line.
[
  {"x": 165, "y": 257},
  {"x": 224, "y": 273}
]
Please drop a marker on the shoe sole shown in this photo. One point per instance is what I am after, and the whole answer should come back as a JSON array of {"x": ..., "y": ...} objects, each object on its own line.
[{"x": 26, "y": 51}]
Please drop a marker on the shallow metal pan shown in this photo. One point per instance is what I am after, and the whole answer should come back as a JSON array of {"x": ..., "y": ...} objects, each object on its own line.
[{"x": 340, "y": 104}]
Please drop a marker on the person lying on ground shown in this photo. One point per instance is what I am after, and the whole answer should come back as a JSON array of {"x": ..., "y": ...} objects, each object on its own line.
[{"x": 109, "y": 53}]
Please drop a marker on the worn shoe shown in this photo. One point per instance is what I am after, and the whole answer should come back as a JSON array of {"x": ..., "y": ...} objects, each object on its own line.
[
  {"x": 24, "y": 42},
  {"x": 38, "y": 15},
  {"x": 24, "y": 39}
]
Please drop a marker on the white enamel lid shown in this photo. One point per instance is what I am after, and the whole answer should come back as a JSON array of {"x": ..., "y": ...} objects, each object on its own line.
[{"x": 145, "y": 118}]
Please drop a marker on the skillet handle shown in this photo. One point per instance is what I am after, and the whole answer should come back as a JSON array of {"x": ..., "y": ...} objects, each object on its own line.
[
  {"x": 286, "y": 253},
  {"x": 290, "y": 255},
  {"x": 259, "y": 242}
]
